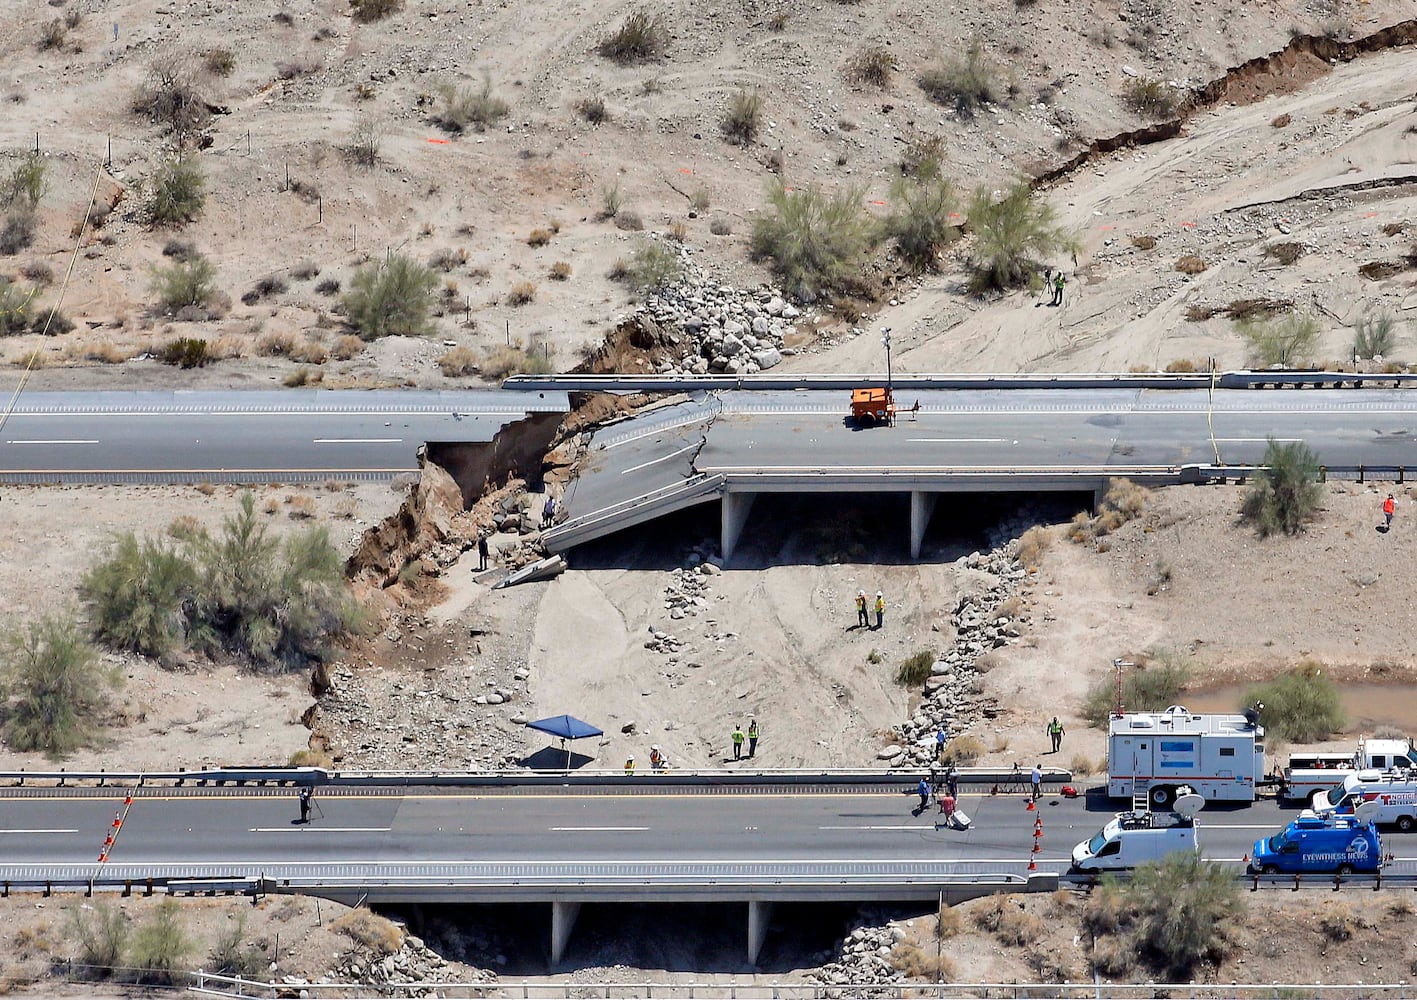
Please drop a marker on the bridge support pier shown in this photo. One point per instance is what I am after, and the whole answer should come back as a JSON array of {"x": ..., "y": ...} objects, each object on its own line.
[
  {"x": 759, "y": 913},
  {"x": 563, "y": 918},
  {"x": 735, "y": 515},
  {"x": 922, "y": 505}
]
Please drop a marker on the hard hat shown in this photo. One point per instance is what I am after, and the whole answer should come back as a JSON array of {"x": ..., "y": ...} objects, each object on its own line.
[
  {"x": 631, "y": 757},
  {"x": 655, "y": 747},
  {"x": 878, "y": 593},
  {"x": 861, "y": 593}
]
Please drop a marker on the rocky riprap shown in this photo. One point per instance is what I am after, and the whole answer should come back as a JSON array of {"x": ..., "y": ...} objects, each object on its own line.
[
  {"x": 687, "y": 596},
  {"x": 952, "y": 700},
  {"x": 413, "y": 963},
  {"x": 863, "y": 957},
  {"x": 726, "y": 330}
]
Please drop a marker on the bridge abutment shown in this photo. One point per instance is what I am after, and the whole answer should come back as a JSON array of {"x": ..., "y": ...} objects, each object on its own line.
[
  {"x": 563, "y": 919},
  {"x": 735, "y": 515},
  {"x": 922, "y": 505},
  {"x": 759, "y": 913}
]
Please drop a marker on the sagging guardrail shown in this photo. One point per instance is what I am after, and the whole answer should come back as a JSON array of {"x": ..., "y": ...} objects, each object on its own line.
[{"x": 1241, "y": 379}]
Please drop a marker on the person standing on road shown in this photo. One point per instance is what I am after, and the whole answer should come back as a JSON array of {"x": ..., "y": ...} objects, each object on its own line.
[
  {"x": 481, "y": 551},
  {"x": 923, "y": 790},
  {"x": 737, "y": 742},
  {"x": 880, "y": 608},
  {"x": 862, "y": 619},
  {"x": 1055, "y": 733},
  {"x": 753, "y": 738},
  {"x": 305, "y": 804},
  {"x": 1035, "y": 778},
  {"x": 1389, "y": 509},
  {"x": 952, "y": 782}
]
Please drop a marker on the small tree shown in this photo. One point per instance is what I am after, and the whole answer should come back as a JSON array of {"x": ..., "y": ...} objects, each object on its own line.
[
  {"x": 136, "y": 595},
  {"x": 1010, "y": 233},
  {"x": 1280, "y": 341},
  {"x": 1375, "y": 336},
  {"x": 161, "y": 946},
  {"x": 1156, "y": 682},
  {"x": 179, "y": 192},
  {"x": 391, "y": 299},
  {"x": 54, "y": 682},
  {"x": 653, "y": 267},
  {"x": 184, "y": 283},
  {"x": 817, "y": 242},
  {"x": 1284, "y": 493},
  {"x": 14, "y": 307},
  {"x": 1301, "y": 706},
  {"x": 924, "y": 218},
  {"x": 25, "y": 185},
  {"x": 102, "y": 933},
  {"x": 172, "y": 93}
]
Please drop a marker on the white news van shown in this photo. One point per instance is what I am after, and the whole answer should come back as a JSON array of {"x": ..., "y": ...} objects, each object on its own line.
[
  {"x": 1133, "y": 838},
  {"x": 1311, "y": 773},
  {"x": 1394, "y": 796},
  {"x": 1220, "y": 756}
]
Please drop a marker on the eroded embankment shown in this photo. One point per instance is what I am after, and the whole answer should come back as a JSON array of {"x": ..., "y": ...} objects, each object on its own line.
[{"x": 1303, "y": 60}]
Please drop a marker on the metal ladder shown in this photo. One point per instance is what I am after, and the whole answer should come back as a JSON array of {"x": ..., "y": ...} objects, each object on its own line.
[{"x": 1141, "y": 802}]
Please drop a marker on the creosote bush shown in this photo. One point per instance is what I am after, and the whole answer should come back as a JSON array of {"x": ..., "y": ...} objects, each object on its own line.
[
  {"x": 816, "y": 242},
  {"x": 268, "y": 602},
  {"x": 24, "y": 187},
  {"x": 1010, "y": 235},
  {"x": 1375, "y": 336},
  {"x": 52, "y": 685},
  {"x": 1302, "y": 705},
  {"x": 102, "y": 935},
  {"x": 1157, "y": 681},
  {"x": 1280, "y": 341},
  {"x": 179, "y": 192},
  {"x": 967, "y": 81},
  {"x": 652, "y": 267},
  {"x": 469, "y": 106},
  {"x": 1284, "y": 494},
  {"x": 743, "y": 118},
  {"x": 1150, "y": 97},
  {"x": 183, "y": 284},
  {"x": 914, "y": 670},
  {"x": 872, "y": 66},
  {"x": 14, "y": 307},
  {"x": 641, "y": 38},
  {"x": 391, "y": 298}
]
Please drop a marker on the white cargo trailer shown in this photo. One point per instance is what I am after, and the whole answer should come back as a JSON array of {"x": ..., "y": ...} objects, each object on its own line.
[{"x": 1153, "y": 753}]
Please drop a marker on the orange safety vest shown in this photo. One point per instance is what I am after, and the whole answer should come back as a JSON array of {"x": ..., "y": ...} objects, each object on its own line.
[{"x": 1389, "y": 506}]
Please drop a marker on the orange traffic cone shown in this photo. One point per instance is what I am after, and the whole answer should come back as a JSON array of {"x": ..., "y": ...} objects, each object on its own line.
[
  {"x": 1037, "y": 848},
  {"x": 1030, "y": 807},
  {"x": 1246, "y": 857},
  {"x": 1032, "y": 865},
  {"x": 1038, "y": 822}
]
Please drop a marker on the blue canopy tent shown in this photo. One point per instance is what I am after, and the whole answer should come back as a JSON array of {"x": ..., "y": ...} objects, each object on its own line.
[{"x": 568, "y": 728}]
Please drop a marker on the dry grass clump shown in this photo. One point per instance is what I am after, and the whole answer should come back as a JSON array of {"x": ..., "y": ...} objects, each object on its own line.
[
  {"x": 1032, "y": 544},
  {"x": 459, "y": 361},
  {"x": 1190, "y": 264},
  {"x": 1081, "y": 765},
  {"x": 103, "y": 350},
  {"x": 965, "y": 81},
  {"x": 592, "y": 109},
  {"x": 469, "y": 107},
  {"x": 743, "y": 118},
  {"x": 500, "y": 362},
  {"x": 303, "y": 376},
  {"x": 871, "y": 66},
  {"x": 1285, "y": 253},
  {"x": 919, "y": 964},
  {"x": 346, "y": 347},
  {"x": 538, "y": 237},
  {"x": 379, "y": 934},
  {"x": 299, "y": 506},
  {"x": 276, "y": 344},
  {"x": 1182, "y": 366},
  {"x": 309, "y": 351},
  {"x": 962, "y": 751},
  {"x": 521, "y": 293},
  {"x": 1150, "y": 97},
  {"x": 641, "y": 38},
  {"x": 1123, "y": 502},
  {"x": 1006, "y": 918},
  {"x": 366, "y": 11},
  {"x": 1143, "y": 242},
  {"x": 560, "y": 271}
]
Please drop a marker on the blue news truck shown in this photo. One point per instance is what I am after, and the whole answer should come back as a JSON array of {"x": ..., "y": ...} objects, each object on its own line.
[{"x": 1313, "y": 844}]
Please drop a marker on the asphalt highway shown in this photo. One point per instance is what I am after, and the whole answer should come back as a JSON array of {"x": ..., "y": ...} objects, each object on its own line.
[
  {"x": 120, "y": 436},
  {"x": 239, "y": 828}
]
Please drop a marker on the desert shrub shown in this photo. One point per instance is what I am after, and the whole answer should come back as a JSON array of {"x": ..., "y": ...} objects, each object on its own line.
[
  {"x": 327, "y": 286},
  {"x": 1284, "y": 494},
  {"x": 161, "y": 946},
  {"x": 14, "y": 308},
  {"x": 24, "y": 187},
  {"x": 1285, "y": 253},
  {"x": 677, "y": 231},
  {"x": 346, "y": 347},
  {"x": 171, "y": 93},
  {"x": 305, "y": 270},
  {"x": 38, "y": 272},
  {"x": 276, "y": 344},
  {"x": 721, "y": 227},
  {"x": 1176, "y": 914},
  {"x": 53, "y": 685},
  {"x": 184, "y": 283},
  {"x": 365, "y": 11},
  {"x": 500, "y": 362},
  {"x": 369, "y": 930},
  {"x": 559, "y": 271},
  {"x": 922, "y": 156},
  {"x": 1081, "y": 765},
  {"x": 538, "y": 237},
  {"x": 300, "y": 507},
  {"x": 923, "y": 219},
  {"x": 521, "y": 293},
  {"x": 653, "y": 266},
  {"x": 231, "y": 955},
  {"x": 179, "y": 249},
  {"x": 17, "y": 232},
  {"x": 365, "y": 141},
  {"x": 135, "y": 595},
  {"x": 184, "y": 352},
  {"x": 592, "y": 109},
  {"x": 1143, "y": 242},
  {"x": 1190, "y": 264},
  {"x": 390, "y": 299},
  {"x": 743, "y": 118},
  {"x": 641, "y": 38},
  {"x": 271, "y": 284},
  {"x": 967, "y": 82},
  {"x": 179, "y": 192},
  {"x": 309, "y": 350},
  {"x": 915, "y": 669},
  {"x": 102, "y": 935},
  {"x": 1282, "y": 340},
  {"x": 629, "y": 221},
  {"x": 1009, "y": 234},
  {"x": 1300, "y": 706},
  {"x": 611, "y": 201},
  {"x": 1032, "y": 544},
  {"x": 458, "y": 361},
  {"x": 699, "y": 200},
  {"x": 1150, "y": 97},
  {"x": 1339, "y": 921},
  {"x": 962, "y": 751},
  {"x": 1374, "y": 336},
  {"x": 1156, "y": 682},
  {"x": 219, "y": 61},
  {"x": 52, "y": 35},
  {"x": 301, "y": 376},
  {"x": 872, "y": 66},
  {"x": 469, "y": 106},
  {"x": 816, "y": 242},
  {"x": 916, "y": 963}
]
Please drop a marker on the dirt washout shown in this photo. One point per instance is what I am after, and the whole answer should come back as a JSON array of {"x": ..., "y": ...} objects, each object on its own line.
[{"x": 1304, "y": 59}]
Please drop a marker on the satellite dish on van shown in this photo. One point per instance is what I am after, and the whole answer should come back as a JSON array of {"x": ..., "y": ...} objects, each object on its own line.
[
  {"x": 1186, "y": 806},
  {"x": 1367, "y": 812}
]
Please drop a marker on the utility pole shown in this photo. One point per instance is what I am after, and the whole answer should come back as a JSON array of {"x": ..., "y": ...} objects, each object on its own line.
[{"x": 886, "y": 340}]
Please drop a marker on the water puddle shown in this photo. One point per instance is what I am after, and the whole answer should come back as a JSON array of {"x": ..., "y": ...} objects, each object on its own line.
[{"x": 1366, "y": 706}]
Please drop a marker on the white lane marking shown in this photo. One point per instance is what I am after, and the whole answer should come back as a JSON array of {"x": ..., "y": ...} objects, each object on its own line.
[
  {"x": 296, "y": 827},
  {"x": 912, "y": 826},
  {"x": 599, "y": 829},
  {"x": 39, "y": 831},
  {"x": 94, "y": 441},
  {"x": 960, "y": 440},
  {"x": 357, "y": 441},
  {"x": 664, "y": 458},
  {"x": 1257, "y": 440}
]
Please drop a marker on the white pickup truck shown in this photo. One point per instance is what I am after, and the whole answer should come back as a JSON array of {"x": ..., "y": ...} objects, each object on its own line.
[{"x": 1309, "y": 775}]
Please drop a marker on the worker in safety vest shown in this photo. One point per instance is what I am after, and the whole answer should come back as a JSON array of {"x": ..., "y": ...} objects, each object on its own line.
[
  {"x": 656, "y": 759},
  {"x": 630, "y": 764},
  {"x": 1055, "y": 733}
]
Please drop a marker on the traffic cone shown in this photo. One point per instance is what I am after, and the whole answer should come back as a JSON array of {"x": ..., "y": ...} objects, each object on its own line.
[
  {"x": 1030, "y": 807},
  {"x": 1246, "y": 857},
  {"x": 1038, "y": 823},
  {"x": 1037, "y": 847},
  {"x": 108, "y": 841},
  {"x": 129, "y": 800},
  {"x": 1032, "y": 865}
]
